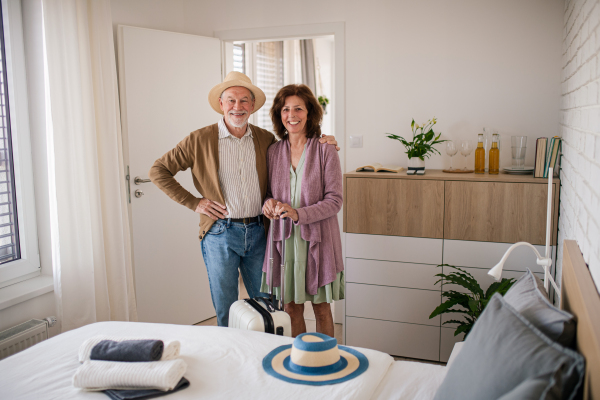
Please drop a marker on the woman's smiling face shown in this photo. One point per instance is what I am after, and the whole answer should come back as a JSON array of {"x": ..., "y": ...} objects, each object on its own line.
[{"x": 294, "y": 115}]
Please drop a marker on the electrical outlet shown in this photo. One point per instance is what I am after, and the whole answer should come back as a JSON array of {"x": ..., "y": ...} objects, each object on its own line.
[{"x": 356, "y": 141}]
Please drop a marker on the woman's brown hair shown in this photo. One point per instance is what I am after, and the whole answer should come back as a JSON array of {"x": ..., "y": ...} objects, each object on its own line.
[{"x": 313, "y": 109}]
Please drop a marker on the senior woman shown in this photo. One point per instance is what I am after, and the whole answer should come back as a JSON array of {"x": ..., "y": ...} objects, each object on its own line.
[{"x": 305, "y": 185}]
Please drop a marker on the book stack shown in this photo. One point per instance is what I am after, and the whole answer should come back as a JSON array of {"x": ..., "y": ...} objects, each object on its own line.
[
  {"x": 540, "y": 157},
  {"x": 552, "y": 155},
  {"x": 546, "y": 156}
]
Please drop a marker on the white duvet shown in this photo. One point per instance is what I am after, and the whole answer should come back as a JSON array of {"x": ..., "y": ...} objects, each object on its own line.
[{"x": 223, "y": 363}]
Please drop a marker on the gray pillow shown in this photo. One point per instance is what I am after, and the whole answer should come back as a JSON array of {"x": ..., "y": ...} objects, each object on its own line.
[
  {"x": 534, "y": 389},
  {"x": 502, "y": 353},
  {"x": 530, "y": 299}
]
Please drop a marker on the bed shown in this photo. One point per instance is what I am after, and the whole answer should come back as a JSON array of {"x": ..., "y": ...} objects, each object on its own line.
[{"x": 225, "y": 363}]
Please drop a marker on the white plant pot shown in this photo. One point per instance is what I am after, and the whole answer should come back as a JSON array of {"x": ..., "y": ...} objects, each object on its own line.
[{"x": 416, "y": 164}]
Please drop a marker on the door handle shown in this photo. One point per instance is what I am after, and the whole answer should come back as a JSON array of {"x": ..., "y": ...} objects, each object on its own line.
[{"x": 138, "y": 181}]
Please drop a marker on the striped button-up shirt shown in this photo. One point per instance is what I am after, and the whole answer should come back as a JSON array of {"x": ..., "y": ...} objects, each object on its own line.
[{"x": 237, "y": 174}]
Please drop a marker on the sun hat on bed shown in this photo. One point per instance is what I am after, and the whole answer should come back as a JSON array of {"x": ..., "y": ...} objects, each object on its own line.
[{"x": 315, "y": 359}]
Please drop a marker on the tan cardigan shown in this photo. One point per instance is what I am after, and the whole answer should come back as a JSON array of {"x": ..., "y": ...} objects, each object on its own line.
[{"x": 200, "y": 152}]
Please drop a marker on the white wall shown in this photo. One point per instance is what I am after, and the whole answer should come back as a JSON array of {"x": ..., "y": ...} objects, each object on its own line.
[
  {"x": 470, "y": 63},
  {"x": 37, "y": 308},
  {"x": 580, "y": 129}
]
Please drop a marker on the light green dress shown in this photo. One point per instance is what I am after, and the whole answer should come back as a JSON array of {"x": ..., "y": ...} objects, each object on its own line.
[{"x": 296, "y": 255}]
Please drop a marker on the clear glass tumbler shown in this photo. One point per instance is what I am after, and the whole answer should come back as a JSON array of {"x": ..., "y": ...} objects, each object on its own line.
[{"x": 519, "y": 146}]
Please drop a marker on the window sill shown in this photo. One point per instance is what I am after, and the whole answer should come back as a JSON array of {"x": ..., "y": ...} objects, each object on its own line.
[{"x": 26, "y": 290}]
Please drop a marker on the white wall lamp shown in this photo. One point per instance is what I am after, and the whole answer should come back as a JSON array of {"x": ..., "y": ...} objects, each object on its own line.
[{"x": 546, "y": 261}]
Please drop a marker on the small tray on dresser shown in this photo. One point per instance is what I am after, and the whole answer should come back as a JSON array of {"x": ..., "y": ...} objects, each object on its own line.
[
  {"x": 458, "y": 171},
  {"x": 518, "y": 171}
]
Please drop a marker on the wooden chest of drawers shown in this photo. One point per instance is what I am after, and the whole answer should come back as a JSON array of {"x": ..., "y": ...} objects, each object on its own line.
[{"x": 399, "y": 228}]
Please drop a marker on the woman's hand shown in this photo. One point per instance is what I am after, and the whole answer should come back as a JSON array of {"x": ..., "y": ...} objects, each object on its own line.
[
  {"x": 285, "y": 210},
  {"x": 269, "y": 209}
]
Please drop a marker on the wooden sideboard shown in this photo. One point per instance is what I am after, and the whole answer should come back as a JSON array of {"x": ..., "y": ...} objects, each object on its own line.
[{"x": 399, "y": 228}]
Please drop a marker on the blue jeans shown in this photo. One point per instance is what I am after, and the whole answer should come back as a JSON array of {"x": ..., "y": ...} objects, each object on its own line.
[{"x": 229, "y": 247}]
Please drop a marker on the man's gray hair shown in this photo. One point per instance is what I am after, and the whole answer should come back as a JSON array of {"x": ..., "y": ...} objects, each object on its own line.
[{"x": 251, "y": 94}]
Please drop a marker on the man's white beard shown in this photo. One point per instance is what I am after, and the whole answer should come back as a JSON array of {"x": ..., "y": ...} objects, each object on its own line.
[{"x": 235, "y": 124}]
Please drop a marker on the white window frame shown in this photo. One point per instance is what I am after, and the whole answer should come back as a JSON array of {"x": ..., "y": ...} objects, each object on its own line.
[{"x": 28, "y": 266}]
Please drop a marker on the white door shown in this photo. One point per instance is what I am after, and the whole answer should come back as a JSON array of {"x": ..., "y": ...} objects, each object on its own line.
[{"x": 164, "y": 80}]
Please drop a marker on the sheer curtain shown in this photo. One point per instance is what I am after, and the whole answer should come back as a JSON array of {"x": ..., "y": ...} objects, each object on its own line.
[
  {"x": 307, "y": 60},
  {"x": 93, "y": 275}
]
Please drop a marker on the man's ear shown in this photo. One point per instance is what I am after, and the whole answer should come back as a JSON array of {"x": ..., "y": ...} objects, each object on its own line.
[{"x": 221, "y": 104}]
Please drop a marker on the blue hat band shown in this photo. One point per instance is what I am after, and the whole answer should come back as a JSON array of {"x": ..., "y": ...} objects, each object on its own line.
[
  {"x": 328, "y": 369},
  {"x": 326, "y": 343}
]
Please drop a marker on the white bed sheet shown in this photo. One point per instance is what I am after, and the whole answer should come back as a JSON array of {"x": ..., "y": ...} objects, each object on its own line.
[
  {"x": 408, "y": 380},
  {"x": 222, "y": 363}
]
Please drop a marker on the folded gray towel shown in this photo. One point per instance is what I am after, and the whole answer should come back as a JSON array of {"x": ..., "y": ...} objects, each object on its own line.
[
  {"x": 128, "y": 350},
  {"x": 143, "y": 393}
]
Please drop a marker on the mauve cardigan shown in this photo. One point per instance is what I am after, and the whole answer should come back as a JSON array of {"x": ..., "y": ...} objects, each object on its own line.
[{"x": 320, "y": 201}]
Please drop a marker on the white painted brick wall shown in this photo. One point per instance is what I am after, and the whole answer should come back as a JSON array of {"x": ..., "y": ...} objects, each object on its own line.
[{"x": 580, "y": 130}]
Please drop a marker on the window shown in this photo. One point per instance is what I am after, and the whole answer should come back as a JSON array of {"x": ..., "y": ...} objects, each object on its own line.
[
  {"x": 239, "y": 57},
  {"x": 268, "y": 61},
  {"x": 19, "y": 254},
  {"x": 272, "y": 65},
  {"x": 10, "y": 248}
]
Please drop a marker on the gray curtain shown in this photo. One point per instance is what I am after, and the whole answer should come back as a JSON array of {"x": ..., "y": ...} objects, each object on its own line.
[{"x": 307, "y": 58}]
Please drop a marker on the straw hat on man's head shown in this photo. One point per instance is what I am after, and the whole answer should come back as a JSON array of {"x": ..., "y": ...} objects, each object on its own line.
[{"x": 236, "y": 79}]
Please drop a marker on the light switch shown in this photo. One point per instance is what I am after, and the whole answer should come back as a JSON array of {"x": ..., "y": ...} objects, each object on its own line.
[{"x": 356, "y": 141}]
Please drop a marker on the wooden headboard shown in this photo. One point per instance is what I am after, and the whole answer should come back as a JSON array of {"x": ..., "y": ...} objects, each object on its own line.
[{"x": 580, "y": 297}]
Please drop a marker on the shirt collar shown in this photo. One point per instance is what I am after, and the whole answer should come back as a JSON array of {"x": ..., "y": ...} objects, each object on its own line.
[{"x": 224, "y": 132}]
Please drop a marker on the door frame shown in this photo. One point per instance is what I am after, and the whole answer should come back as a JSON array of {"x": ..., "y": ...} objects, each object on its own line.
[{"x": 276, "y": 33}]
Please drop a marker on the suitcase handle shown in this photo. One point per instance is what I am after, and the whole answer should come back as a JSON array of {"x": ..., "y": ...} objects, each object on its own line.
[
  {"x": 271, "y": 288},
  {"x": 282, "y": 273}
]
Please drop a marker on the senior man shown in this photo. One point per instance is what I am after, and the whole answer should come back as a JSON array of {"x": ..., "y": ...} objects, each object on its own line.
[{"x": 229, "y": 167}]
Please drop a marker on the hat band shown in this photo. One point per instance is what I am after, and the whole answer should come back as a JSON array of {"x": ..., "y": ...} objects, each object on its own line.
[
  {"x": 315, "y": 346},
  {"x": 328, "y": 369}
]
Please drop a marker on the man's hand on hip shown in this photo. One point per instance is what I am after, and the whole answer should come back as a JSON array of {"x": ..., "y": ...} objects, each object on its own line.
[
  {"x": 211, "y": 208},
  {"x": 329, "y": 139}
]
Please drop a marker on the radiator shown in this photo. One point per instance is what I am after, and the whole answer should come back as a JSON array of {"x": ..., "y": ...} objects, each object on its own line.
[{"x": 22, "y": 336}]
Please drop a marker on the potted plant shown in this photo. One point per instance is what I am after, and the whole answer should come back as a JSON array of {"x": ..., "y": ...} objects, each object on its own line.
[
  {"x": 421, "y": 146},
  {"x": 472, "y": 303},
  {"x": 323, "y": 101}
]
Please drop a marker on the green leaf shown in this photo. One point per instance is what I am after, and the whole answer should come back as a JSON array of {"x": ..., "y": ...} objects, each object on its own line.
[
  {"x": 499, "y": 287},
  {"x": 412, "y": 124},
  {"x": 429, "y": 135},
  {"x": 466, "y": 328},
  {"x": 454, "y": 321},
  {"x": 443, "y": 307},
  {"x": 474, "y": 305},
  {"x": 464, "y": 280},
  {"x": 456, "y": 311}
]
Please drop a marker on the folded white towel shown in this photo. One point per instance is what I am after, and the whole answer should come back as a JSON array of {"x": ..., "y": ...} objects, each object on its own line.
[
  {"x": 102, "y": 375},
  {"x": 170, "y": 352}
]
